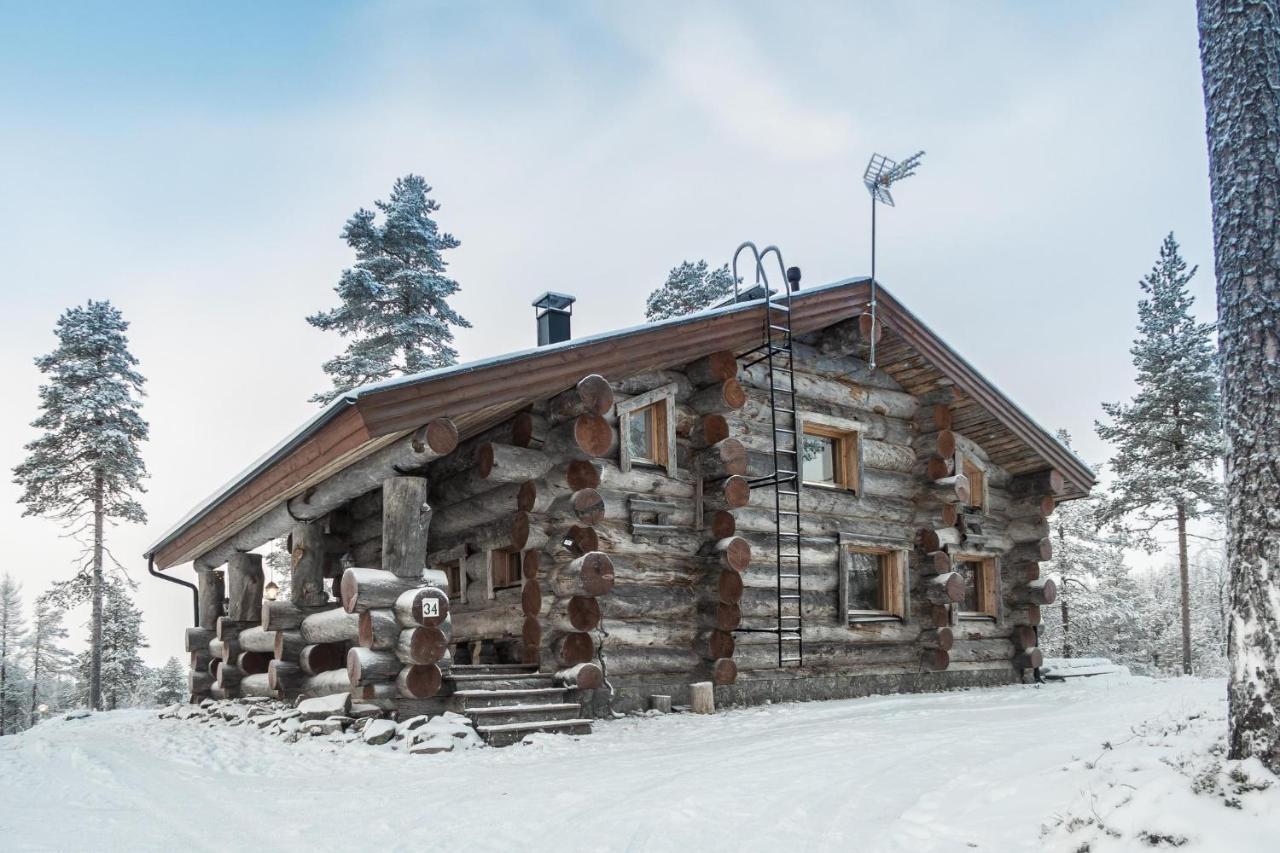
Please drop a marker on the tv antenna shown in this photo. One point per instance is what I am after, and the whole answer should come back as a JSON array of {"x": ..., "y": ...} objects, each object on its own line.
[{"x": 879, "y": 178}]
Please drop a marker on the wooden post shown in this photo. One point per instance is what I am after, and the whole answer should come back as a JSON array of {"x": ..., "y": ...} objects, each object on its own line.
[
  {"x": 211, "y": 593},
  {"x": 406, "y": 518},
  {"x": 244, "y": 587},
  {"x": 702, "y": 697},
  {"x": 307, "y": 586}
]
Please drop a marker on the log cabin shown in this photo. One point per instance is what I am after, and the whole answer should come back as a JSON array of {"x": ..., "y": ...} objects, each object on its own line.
[{"x": 780, "y": 498}]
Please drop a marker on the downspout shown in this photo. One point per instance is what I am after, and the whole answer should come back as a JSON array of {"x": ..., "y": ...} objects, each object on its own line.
[{"x": 195, "y": 593}]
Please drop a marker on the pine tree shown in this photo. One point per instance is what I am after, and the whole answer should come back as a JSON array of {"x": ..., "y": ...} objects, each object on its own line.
[
  {"x": 85, "y": 469},
  {"x": 171, "y": 687},
  {"x": 12, "y": 634},
  {"x": 394, "y": 301},
  {"x": 1168, "y": 439},
  {"x": 48, "y": 660},
  {"x": 689, "y": 287},
  {"x": 122, "y": 670},
  {"x": 1240, "y": 52}
]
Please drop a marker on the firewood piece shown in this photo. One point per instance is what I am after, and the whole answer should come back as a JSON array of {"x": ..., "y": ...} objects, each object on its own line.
[
  {"x": 368, "y": 589},
  {"x": 1038, "y": 551},
  {"x": 406, "y": 518},
  {"x": 591, "y": 396},
  {"x": 584, "y": 676},
  {"x": 209, "y": 595},
  {"x": 702, "y": 697},
  {"x": 723, "y": 459},
  {"x": 726, "y": 396},
  {"x": 1038, "y": 592},
  {"x": 253, "y": 663},
  {"x": 369, "y": 666},
  {"x": 419, "y": 681},
  {"x": 944, "y": 589},
  {"x": 591, "y": 573},
  {"x": 322, "y": 657},
  {"x": 331, "y": 626},
  {"x": 1031, "y": 658},
  {"x": 712, "y": 369},
  {"x": 584, "y": 612},
  {"x": 197, "y": 639},
  {"x": 935, "y": 659},
  {"x": 307, "y": 587},
  {"x": 378, "y": 629},
  {"x": 1040, "y": 483},
  {"x": 244, "y": 587},
  {"x": 427, "y": 605},
  {"x": 941, "y": 637},
  {"x": 574, "y": 648},
  {"x": 733, "y": 553},
  {"x": 288, "y": 645},
  {"x": 724, "y": 672},
  {"x": 423, "y": 645}
]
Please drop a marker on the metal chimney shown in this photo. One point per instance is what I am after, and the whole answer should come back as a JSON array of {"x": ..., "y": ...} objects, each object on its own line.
[{"x": 554, "y": 311}]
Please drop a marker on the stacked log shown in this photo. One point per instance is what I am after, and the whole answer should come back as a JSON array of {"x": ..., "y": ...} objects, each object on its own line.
[{"x": 1032, "y": 498}]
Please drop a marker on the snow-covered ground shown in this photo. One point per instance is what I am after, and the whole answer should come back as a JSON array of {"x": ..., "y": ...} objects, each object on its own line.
[{"x": 1002, "y": 770}]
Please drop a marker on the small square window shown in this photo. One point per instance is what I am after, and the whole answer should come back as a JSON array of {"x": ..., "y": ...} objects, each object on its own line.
[
  {"x": 977, "y": 483},
  {"x": 505, "y": 566},
  {"x": 646, "y": 428},
  {"x": 453, "y": 571},
  {"x": 829, "y": 457},
  {"x": 981, "y": 596},
  {"x": 872, "y": 583}
]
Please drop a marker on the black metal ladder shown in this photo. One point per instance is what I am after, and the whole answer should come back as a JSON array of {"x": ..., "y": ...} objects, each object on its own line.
[{"x": 778, "y": 354}]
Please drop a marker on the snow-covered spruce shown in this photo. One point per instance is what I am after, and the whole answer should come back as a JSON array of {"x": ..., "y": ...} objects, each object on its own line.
[
  {"x": 394, "y": 301},
  {"x": 689, "y": 287}
]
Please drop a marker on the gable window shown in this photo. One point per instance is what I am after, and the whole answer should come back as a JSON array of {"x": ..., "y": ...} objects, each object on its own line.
[
  {"x": 977, "y": 478},
  {"x": 647, "y": 430},
  {"x": 981, "y": 587},
  {"x": 829, "y": 456},
  {"x": 505, "y": 569},
  {"x": 872, "y": 582}
]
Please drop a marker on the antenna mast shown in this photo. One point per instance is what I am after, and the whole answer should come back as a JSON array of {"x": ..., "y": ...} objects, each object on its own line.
[{"x": 881, "y": 174}]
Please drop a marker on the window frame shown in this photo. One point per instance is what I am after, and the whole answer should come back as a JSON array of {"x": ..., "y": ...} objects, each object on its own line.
[
  {"x": 979, "y": 498},
  {"x": 455, "y": 563},
  {"x": 895, "y": 595},
  {"x": 663, "y": 434},
  {"x": 987, "y": 583},
  {"x": 846, "y": 449},
  {"x": 515, "y": 563}
]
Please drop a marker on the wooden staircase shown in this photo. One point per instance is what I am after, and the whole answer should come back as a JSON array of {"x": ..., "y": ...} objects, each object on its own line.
[{"x": 508, "y": 701}]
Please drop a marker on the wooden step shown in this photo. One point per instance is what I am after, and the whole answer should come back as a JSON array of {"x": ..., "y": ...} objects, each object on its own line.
[
  {"x": 499, "y": 681},
  {"x": 534, "y": 713},
  {"x": 504, "y": 668},
  {"x": 509, "y": 733},
  {"x": 468, "y": 699}
]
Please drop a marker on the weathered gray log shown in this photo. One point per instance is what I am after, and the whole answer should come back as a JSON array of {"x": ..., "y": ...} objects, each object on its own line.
[
  {"x": 210, "y": 594},
  {"x": 572, "y": 475},
  {"x": 197, "y": 639},
  {"x": 702, "y": 697},
  {"x": 331, "y": 626},
  {"x": 584, "y": 676},
  {"x": 1024, "y": 637},
  {"x": 583, "y": 612},
  {"x": 217, "y": 651},
  {"x": 723, "y": 459},
  {"x": 367, "y": 589},
  {"x": 457, "y": 518},
  {"x": 198, "y": 683},
  {"x": 953, "y": 489},
  {"x": 1031, "y": 658},
  {"x": 423, "y": 606},
  {"x": 511, "y": 532},
  {"x": 288, "y": 646},
  {"x": 307, "y": 587},
  {"x": 583, "y": 436},
  {"x": 253, "y": 663},
  {"x": 1030, "y": 530},
  {"x": 419, "y": 681},
  {"x": 713, "y": 369},
  {"x": 423, "y": 645},
  {"x": 1036, "y": 485},
  {"x": 941, "y": 637},
  {"x": 369, "y": 666},
  {"x": 316, "y": 658},
  {"x": 733, "y": 552},
  {"x": 935, "y": 659},
  {"x": 431, "y": 441},
  {"x": 244, "y": 587},
  {"x": 714, "y": 644},
  {"x": 584, "y": 506},
  {"x": 1038, "y": 592},
  {"x": 326, "y": 684},
  {"x": 726, "y": 396},
  {"x": 724, "y": 671},
  {"x": 931, "y": 563},
  {"x": 1041, "y": 550},
  {"x": 285, "y": 615},
  {"x": 591, "y": 574},
  {"x": 943, "y": 589},
  {"x": 378, "y": 629},
  {"x": 282, "y": 675},
  {"x": 591, "y": 396},
  {"x": 851, "y": 337},
  {"x": 730, "y": 493},
  {"x": 228, "y": 677},
  {"x": 406, "y": 517},
  {"x": 254, "y": 639}
]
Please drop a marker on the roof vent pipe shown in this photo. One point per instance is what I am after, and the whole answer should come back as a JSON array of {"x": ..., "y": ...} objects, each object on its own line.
[{"x": 554, "y": 311}]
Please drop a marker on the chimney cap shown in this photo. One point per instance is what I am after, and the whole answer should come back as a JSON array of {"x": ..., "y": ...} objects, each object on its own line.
[{"x": 553, "y": 301}]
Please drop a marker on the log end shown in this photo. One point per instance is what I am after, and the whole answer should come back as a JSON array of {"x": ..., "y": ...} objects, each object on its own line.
[
  {"x": 440, "y": 435},
  {"x": 593, "y": 435},
  {"x": 737, "y": 491},
  {"x": 724, "y": 671},
  {"x": 584, "y": 612},
  {"x": 596, "y": 394},
  {"x": 935, "y": 660}
]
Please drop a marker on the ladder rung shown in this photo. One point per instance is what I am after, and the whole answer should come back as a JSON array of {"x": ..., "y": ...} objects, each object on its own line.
[
  {"x": 786, "y": 329},
  {"x": 784, "y": 429},
  {"x": 789, "y": 596},
  {"x": 789, "y": 576},
  {"x": 787, "y": 512}
]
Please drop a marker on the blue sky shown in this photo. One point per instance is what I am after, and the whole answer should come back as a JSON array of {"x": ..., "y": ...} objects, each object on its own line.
[{"x": 195, "y": 163}]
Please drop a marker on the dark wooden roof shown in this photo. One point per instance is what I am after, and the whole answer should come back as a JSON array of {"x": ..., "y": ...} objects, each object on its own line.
[{"x": 478, "y": 395}]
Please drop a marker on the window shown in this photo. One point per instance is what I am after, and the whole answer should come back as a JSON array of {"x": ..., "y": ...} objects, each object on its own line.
[
  {"x": 981, "y": 587},
  {"x": 977, "y": 478},
  {"x": 453, "y": 571},
  {"x": 647, "y": 429},
  {"x": 829, "y": 457},
  {"x": 504, "y": 569},
  {"x": 872, "y": 582}
]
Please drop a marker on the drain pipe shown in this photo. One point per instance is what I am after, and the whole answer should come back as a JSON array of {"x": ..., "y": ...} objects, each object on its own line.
[{"x": 195, "y": 593}]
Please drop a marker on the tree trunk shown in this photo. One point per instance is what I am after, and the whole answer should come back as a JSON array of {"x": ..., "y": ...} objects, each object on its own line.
[
  {"x": 1184, "y": 583},
  {"x": 1066, "y": 622},
  {"x": 95, "y": 640},
  {"x": 1240, "y": 52}
]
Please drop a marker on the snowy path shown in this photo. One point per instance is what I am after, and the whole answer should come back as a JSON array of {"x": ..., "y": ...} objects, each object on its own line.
[{"x": 980, "y": 770}]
